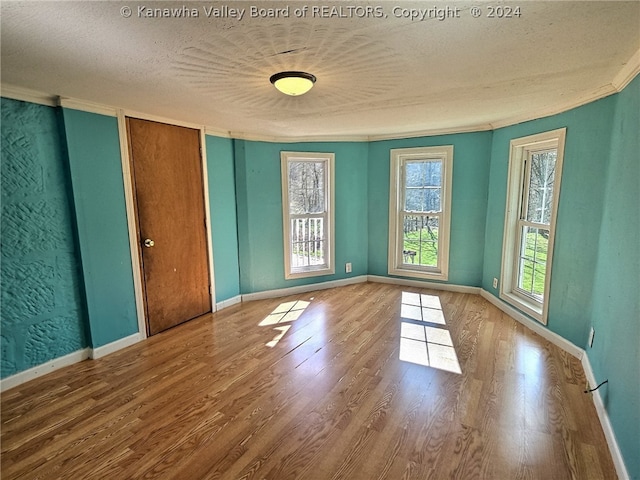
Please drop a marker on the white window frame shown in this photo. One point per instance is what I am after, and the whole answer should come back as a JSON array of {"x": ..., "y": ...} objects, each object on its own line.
[
  {"x": 328, "y": 268},
  {"x": 517, "y": 187},
  {"x": 396, "y": 262}
]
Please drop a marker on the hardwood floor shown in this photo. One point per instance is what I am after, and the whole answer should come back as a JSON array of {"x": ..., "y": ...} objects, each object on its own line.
[{"x": 244, "y": 394}]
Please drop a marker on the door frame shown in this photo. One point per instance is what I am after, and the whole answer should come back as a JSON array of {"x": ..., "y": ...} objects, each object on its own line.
[{"x": 132, "y": 222}]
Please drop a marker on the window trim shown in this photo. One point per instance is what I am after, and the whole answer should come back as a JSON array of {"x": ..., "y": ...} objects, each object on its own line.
[
  {"x": 520, "y": 149},
  {"x": 398, "y": 157},
  {"x": 309, "y": 271}
]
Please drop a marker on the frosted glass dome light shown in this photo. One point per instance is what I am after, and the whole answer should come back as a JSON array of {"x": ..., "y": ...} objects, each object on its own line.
[{"x": 293, "y": 83}]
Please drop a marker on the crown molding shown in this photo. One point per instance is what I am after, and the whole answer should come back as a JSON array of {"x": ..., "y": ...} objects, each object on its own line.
[
  {"x": 302, "y": 139},
  {"x": 85, "y": 106},
  {"x": 623, "y": 78},
  {"x": 482, "y": 127},
  {"x": 217, "y": 132},
  {"x": 597, "y": 94},
  {"x": 359, "y": 138},
  {"x": 628, "y": 72},
  {"x": 28, "y": 95},
  {"x": 160, "y": 119}
]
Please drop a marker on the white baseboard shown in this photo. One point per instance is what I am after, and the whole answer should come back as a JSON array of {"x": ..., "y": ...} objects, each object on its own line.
[
  {"x": 616, "y": 454},
  {"x": 228, "y": 302},
  {"x": 283, "y": 292},
  {"x": 104, "y": 350},
  {"x": 44, "y": 369},
  {"x": 540, "y": 329},
  {"x": 449, "y": 287}
]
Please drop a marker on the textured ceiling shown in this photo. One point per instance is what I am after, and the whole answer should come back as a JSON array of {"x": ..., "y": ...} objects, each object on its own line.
[{"x": 377, "y": 77}]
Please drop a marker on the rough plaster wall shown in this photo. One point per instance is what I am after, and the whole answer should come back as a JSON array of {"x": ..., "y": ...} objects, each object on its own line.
[{"x": 41, "y": 312}]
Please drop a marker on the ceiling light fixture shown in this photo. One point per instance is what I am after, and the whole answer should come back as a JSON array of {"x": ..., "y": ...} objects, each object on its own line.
[{"x": 293, "y": 83}]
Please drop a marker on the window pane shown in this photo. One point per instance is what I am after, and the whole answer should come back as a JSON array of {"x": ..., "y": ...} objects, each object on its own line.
[
  {"x": 307, "y": 242},
  {"x": 420, "y": 240},
  {"x": 433, "y": 200},
  {"x": 306, "y": 187},
  {"x": 533, "y": 260},
  {"x": 542, "y": 173},
  {"x": 423, "y": 180},
  {"x": 414, "y": 200},
  {"x": 423, "y": 173},
  {"x": 422, "y": 199},
  {"x": 415, "y": 173},
  {"x": 433, "y": 173}
]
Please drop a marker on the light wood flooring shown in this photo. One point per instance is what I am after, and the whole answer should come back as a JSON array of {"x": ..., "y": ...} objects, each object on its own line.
[{"x": 247, "y": 394}]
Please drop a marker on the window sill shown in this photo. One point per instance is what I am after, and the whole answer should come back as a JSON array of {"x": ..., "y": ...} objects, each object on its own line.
[
  {"x": 426, "y": 275},
  {"x": 529, "y": 307},
  {"x": 309, "y": 273}
]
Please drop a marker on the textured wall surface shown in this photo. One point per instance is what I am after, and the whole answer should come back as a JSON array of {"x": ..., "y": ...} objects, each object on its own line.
[{"x": 42, "y": 310}]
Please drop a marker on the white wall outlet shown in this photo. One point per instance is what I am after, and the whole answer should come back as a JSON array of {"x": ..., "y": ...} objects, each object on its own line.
[
  {"x": 592, "y": 334},
  {"x": 495, "y": 282},
  {"x": 347, "y": 267}
]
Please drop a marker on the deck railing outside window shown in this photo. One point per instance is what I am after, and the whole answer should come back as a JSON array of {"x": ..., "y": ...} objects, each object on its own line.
[{"x": 308, "y": 241}]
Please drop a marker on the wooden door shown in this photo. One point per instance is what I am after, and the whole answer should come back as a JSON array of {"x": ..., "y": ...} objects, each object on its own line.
[{"x": 169, "y": 196}]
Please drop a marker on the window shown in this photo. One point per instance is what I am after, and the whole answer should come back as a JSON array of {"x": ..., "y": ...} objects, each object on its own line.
[
  {"x": 419, "y": 212},
  {"x": 535, "y": 168},
  {"x": 307, "y": 207}
]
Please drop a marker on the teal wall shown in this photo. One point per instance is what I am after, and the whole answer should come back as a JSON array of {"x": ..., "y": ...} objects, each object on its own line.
[
  {"x": 43, "y": 315},
  {"x": 224, "y": 225},
  {"x": 596, "y": 271},
  {"x": 98, "y": 192},
  {"x": 469, "y": 198},
  {"x": 615, "y": 315},
  {"x": 48, "y": 304},
  {"x": 579, "y": 211},
  {"x": 259, "y": 203}
]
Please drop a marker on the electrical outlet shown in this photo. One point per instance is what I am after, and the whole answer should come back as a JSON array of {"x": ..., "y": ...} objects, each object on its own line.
[
  {"x": 592, "y": 333},
  {"x": 495, "y": 283},
  {"x": 347, "y": 267}
]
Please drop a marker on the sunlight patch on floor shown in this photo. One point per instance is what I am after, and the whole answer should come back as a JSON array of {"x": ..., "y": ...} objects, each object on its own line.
[
  {"x": 283, "y": 330},
  {"x": 286, "y": 312},
  {"x": 422, "y": 308},
  {"x": 424, "y": 338}
]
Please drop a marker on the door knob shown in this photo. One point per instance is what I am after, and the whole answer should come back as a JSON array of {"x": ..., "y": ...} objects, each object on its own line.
[{"x": 149, "y": 243}]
